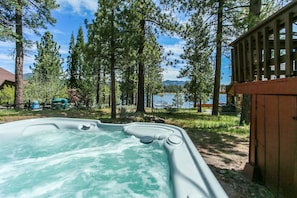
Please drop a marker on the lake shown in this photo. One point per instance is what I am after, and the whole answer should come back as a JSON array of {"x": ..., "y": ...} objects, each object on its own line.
[{"x": 167, "y": 99}]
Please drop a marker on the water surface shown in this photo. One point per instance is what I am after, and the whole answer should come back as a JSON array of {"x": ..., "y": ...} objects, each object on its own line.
[{"x": 83, "y": 164}]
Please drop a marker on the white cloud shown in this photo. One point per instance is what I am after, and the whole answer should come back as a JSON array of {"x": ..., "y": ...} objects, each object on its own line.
[
  {"x": 171, "y": 73},
  {"x": 7, "y": 44},
  {"x": 6, "y": 58},
  {"x": 175, "y": 48},
  {"x": 79, "y": 5}
]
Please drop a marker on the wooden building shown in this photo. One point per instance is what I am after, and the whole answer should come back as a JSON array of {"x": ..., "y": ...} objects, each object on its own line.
[
  {"x": 264, "y": 66},
  {"x": 6, "y": 78}
]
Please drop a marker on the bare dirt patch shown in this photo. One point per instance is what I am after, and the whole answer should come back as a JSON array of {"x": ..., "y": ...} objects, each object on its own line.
[{"x": 227, "y": 155}]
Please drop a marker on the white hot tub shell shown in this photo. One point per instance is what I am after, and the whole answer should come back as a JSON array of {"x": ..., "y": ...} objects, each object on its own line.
[{"x": 190, "y": 175}]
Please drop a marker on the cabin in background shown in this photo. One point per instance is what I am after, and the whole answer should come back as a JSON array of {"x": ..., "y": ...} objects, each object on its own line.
[{"x": 6, "y": 78}]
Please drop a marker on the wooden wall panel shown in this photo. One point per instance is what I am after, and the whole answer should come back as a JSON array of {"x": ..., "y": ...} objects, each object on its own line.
[
  {"x": 272, "y": 142},
  {"x": 275, "y": 142},
  {"x": 288, "y": 140}
]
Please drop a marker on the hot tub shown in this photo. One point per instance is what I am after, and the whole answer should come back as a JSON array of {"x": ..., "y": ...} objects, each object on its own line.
[{"x": 78, "y": 157}]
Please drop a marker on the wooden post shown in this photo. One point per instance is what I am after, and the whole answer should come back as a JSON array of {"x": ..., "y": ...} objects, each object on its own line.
[
  {"x": 244, "y": 60},
  {"x": 276, "y": 46},
  {"x": 289, "y": 60},
  {"x": 251, "y": 59},
  {"x": 267, "y": 52},
  {"x": 259, "y": 56},
  {"x": 233, "y": 66}
]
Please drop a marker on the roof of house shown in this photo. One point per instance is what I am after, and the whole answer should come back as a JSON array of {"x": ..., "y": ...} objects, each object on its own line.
[{"x": 6, "y": 76}]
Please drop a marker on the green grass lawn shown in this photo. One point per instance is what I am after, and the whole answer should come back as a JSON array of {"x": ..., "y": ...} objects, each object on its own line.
[
  {"x": 201, "y": 121},
  {"x": 188, "y": 119}
]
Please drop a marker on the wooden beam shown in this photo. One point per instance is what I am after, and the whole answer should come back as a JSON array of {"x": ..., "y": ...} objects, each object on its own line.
[
  {"x": 282, "y": 43},
  {"x": 284, "y": 86}
]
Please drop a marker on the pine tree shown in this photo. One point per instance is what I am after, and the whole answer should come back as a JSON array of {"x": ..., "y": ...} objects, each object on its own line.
[
  {"x": 16, "y": 14},
  {"x": 72, "y": 63},
  {"x": 148, "y": 16},
  {"x": 226, "y": 20},
  {"x": 153, "y": 69},
  {"x": 85, "y": 69},
  {"x": 48, "y": 61},
  {"x": 197, "y": 56},
  {"x": 109, "y": 30},
  {"x": 79, "y": 51},
  {"x": 121, "y": 29},
  {"x": 94, "y": 59},
  {"x": 47, "y": 81}
]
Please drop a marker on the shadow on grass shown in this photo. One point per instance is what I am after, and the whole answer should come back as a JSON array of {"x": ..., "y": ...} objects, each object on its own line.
[{"x": 216, "y": 142}]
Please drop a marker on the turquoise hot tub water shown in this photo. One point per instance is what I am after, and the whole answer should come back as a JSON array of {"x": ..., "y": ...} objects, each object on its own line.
[{"x": 64, "y": 157}]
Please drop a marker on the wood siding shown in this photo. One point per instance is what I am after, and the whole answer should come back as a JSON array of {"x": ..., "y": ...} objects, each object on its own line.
[
  {"x": 273, "y": 142},
  {"x": 273, "y": 133}
]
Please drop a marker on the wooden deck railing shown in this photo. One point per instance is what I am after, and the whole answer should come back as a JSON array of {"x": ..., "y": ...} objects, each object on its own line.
[{"x": 269, "y": 50}]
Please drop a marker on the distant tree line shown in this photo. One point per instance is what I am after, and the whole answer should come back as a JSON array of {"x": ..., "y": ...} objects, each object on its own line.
[{"x": 172, "y": 88}]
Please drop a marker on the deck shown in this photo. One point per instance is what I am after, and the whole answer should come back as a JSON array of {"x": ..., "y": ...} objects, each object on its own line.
[{"x": 264, "y": 66}]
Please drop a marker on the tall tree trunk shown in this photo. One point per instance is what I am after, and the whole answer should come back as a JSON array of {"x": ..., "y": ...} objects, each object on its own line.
[
  {"x": 195, "y": 101},
  {"x": 19, "y": 59},
  {"x": 98, "y": 85},
  {"x": 132, "y": 99},
  {"x": 112, "y": 70},
  {"x": 255, "y": 7},
  {"x": 140, "y": 95},
  {"x": 216, "y": 92},
  {"x": 104, "y": 84},
  {"x": 152, "y": 101},
  {"x": 200, "y": 106},
  {"x": 147, "y": 98}
]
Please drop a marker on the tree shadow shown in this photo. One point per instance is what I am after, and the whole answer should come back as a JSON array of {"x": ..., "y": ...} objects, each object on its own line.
[
  {"x": 224, "y": 148},
  {"x": 216, "y": 142}
]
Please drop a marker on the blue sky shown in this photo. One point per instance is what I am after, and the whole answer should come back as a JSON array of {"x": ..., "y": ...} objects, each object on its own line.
[{"x": 70, "y": 16}]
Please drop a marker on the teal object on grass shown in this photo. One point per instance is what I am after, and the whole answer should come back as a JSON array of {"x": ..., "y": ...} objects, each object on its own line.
[{"x": 60, "y": 103}]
